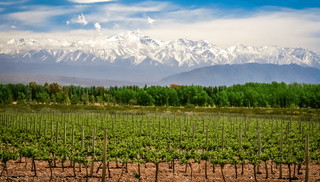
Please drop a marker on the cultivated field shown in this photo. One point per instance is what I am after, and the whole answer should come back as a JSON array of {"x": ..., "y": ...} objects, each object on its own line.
[{"x": 39, "y": 144}]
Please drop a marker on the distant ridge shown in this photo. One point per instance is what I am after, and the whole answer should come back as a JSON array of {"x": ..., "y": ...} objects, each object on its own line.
[
  {"x": 243, "y": 73},
  {"x": 61, "y": 80}
]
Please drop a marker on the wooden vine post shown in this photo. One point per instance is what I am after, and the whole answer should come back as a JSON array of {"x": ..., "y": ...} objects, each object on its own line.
[
  {"x": 299, "y": 121},
  {"x": 132, "y": 124},
  {"x": 287, "y": 131},
  {"x": 149, "y": 125},
  {"x": 281, "y": 148},
  {"x": 113, "y": 120},
  {"x": 40, "y": 127},
  {"x": 240, "y": 147},
  {"x": 207, "y": 136},
  {"x": 51, "y": 129},
  {"x": 45, "y": 128},
  {"x": 140, "y": 125},
  {"x": 259, "y": 150},
  {"x": 82, "y": 143},
  {"x": 187, "y": 129},
  {"x": 159, "y": 128},
  {"x": 180, "y": 130},
  {"x": 272, "y": 127},
  {"x": 222, "y": 135},
  {"x": 307, "y": 159},
  {"x": 104, "y": 155},
  {"x": 169, "y": 128},
  {"x": 194, "y": 126},
  {"x": 20, "y": 122},
  {"x": 26, "y": 130},
  {"x": 93, "y": 144},
  {"x": 72, "y": 143},
  {"x": 127, "y": 122},
  {"x": 240, "y": 139},
  {"x": 65, "y": 134},
  {"x": 203, "y": 125},
  {"x": 57, "y": 131},
  {"x": 34, "y": 126}
]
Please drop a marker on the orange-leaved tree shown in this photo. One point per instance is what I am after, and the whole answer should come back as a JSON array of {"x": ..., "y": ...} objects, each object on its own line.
[{"x": 174, "y": 86}]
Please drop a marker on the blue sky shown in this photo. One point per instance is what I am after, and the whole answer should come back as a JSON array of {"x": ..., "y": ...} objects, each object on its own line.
[{"x": 285, "y": 23}]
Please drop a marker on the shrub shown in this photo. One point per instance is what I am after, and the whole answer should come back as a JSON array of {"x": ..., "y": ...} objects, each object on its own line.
[
  {"x": 133, "y": 102},
  {"x": 276, "y": 106},
  {"x": 189, "y": 106},
  {"x": 293, "y": 106},
  {"x": 34, "y": 102},
  {"x": 22, "y": 101}
]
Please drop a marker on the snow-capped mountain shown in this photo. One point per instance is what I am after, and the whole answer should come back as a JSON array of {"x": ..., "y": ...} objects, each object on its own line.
[{"x": 134, "y": 48}]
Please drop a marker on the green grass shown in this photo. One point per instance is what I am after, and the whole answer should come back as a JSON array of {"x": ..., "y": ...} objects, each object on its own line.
[{"x": 126, "y": 108}]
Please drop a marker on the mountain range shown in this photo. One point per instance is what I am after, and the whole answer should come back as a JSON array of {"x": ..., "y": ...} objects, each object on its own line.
[
  {"x": 240, "y": 74},
  {"x": 207, "y": 76},
  {"x": 135, "y": 57},
  {"x": 134, "y": 48}
]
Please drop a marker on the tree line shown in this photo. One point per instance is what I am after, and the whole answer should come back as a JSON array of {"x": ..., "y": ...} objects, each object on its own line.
[{"x": 247, "y": 95}]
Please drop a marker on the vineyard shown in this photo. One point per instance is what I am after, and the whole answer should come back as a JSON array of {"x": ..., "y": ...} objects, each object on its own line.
[{"x": 96, "y": 145}]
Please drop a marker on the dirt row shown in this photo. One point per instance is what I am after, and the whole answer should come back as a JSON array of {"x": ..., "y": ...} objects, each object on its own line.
[{"x": 21, "y": 172}]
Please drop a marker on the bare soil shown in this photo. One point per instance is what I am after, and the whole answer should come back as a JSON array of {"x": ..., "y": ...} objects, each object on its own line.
[{"x": 20, "y": 172}]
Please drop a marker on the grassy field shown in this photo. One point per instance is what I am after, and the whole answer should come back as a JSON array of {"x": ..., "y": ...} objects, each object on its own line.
[{"x": 241, "y": 110}]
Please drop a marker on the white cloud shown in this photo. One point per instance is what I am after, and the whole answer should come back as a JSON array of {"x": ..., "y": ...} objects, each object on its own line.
[
  {"x": 37, "y": 16},
  {"x": 90, "y": 1},
  {"x": 13, "y": 26},
  {"x": 150, "y": 20},
  {"x": 81, "y": 19},
  {"x": 283, "y": 28},
  {"x": 68, "y": 22},
  {"x": 1, "y": 9},
  {"x": 119, "y": 12},
  {"x": 115, "y": 26},
  {"x": 12, "y": 2},
  {"x": 98, "y": 27},
  {"x": 135, "y": 8},
  {"x": 70, "y": 36}
]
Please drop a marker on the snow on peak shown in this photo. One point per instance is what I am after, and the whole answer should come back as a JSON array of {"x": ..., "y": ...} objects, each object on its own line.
[{"x": 134, "y": 47}]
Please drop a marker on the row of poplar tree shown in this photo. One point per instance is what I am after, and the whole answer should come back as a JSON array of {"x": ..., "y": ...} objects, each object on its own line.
[{"x": 248, "y": 95}]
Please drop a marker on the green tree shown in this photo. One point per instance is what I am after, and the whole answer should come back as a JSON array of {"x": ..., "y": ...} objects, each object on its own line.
[
  {"x": 222, "y": 99},
  {"x": 21, "y": 98},
  {"x": 144, "y": 99},
  {"x": 100, "y": 100},
  {"x": 85, "y": 98},
  {"x": 63, "y": 98},
  {"x": 75, "y": 99},
  {"x": 92, "y": 99},
  {"x": 43, "y": 97},
  {"x": 100, "y": 90},
  {"x": 124, "y": 95}
]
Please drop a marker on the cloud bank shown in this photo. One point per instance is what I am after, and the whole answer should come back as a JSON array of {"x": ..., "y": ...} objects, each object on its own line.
[{"x": 224, "y": 27}]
